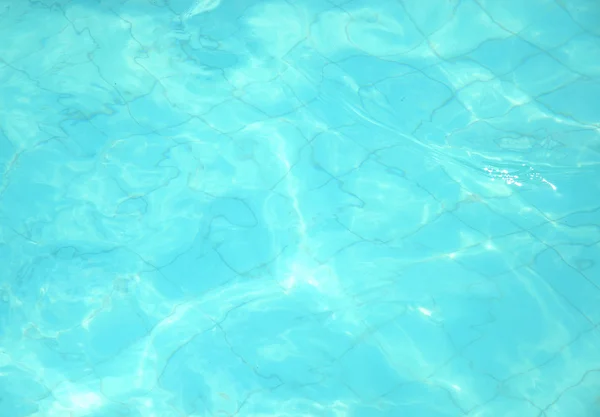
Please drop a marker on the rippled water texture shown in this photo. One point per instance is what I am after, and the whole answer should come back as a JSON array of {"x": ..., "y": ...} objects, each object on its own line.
[{"x": 295, "y": 208}]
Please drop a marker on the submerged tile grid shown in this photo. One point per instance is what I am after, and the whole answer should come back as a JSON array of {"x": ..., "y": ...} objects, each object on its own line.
[{"x": 299, "y": 208}]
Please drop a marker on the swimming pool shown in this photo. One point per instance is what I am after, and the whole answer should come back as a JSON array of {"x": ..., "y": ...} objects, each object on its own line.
[{"x": 300, "y": 208}]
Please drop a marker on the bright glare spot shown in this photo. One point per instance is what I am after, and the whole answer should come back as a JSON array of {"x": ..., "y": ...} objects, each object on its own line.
[
  {"x": 452, "y": 255},
  {"x": 503, "y": 174},
  {"x": 313, "y": 282},
  {"x": 86, "y": 401},
  {"x": 85, "y": 323},
  {"x": 201, "y": 6},
  {"x": 456, "y": 387},
  {"x": 489, "y": 246},
  {"x": 550, "y": 184},
  {"x": 351, "y": 83},
  {"x": 289, "y": 283},
  {"x": 425, "y": 311}
]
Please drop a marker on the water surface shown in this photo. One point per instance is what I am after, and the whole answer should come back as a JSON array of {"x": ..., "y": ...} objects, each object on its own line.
[{"x": 300, "y": 208}]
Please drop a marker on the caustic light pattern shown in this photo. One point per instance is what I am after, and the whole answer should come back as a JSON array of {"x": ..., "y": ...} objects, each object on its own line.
[{"x": 368, "y": 208}]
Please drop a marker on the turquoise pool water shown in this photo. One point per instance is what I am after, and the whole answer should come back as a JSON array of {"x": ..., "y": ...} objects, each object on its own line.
[{"x": 300, "y": 208}]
